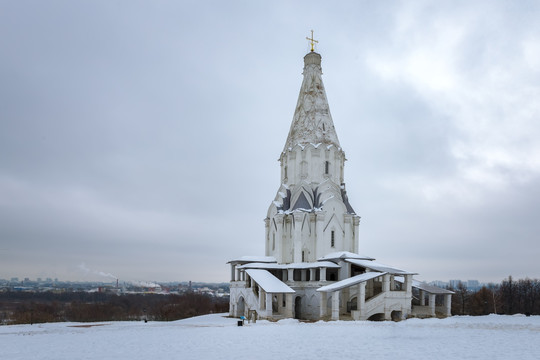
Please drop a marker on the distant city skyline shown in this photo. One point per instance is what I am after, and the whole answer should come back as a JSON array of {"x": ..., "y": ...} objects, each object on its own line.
[
  {"x": 135, "y": 136},
  {"x": 469, "y": 283}
]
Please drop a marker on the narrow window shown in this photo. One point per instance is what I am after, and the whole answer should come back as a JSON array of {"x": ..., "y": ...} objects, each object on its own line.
[
  {"x": 273, "y": 241},
  {"x": 326, "y": 167},
  {"x": 285, "y": 172},
  {"x": 332, "y": 238},
  {"x": 302, "y": 256}
]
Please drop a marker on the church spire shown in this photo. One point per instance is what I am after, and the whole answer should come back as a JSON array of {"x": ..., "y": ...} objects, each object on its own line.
[{"x": 312, "y": 122}]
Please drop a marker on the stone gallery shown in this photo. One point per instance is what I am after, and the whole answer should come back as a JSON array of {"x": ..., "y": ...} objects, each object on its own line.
[{"x": 312, "y": 268}]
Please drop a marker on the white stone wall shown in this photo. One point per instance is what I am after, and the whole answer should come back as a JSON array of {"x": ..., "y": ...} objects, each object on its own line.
[{"x": 307, "y": 162}]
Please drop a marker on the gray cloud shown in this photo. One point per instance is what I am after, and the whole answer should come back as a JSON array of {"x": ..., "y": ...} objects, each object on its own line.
[{"x": 141, "y": 139}]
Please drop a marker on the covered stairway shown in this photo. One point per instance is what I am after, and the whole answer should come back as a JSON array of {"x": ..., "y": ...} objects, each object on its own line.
[{"x": 385, "y": 302}]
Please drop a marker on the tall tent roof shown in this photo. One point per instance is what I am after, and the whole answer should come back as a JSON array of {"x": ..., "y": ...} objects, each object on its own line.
[{"x": 312, "y": 122}]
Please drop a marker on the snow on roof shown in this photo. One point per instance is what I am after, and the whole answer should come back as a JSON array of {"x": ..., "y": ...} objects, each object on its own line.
[
  {"x": 248, "y": 259},
  {"x": 344, "y": 255},
  {"x": 426, "y": 287},
  {"x": 304, "y": 265},
  {"x": 379, "y": 267},
  {"x": 268, "y": 282},
  {"x": 350, "y": 281},
  {"x": 258, "y": 265},
  {"x": 318, "y": 264}
]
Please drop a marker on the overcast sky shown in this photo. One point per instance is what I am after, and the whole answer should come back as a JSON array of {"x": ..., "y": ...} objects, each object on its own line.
[{"x": 140, "y": 138}]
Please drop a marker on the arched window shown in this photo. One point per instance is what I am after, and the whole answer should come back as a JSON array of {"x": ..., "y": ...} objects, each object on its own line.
[
  {"x": 285, "y": 172},
  {"x": 332, "y": 238}
]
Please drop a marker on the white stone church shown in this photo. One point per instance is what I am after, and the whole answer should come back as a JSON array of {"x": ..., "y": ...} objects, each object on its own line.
[{"x": 312, "y": 268}]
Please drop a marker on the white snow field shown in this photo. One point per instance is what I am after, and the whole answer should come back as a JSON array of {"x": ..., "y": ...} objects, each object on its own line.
[{"x": 217, "y": 337}]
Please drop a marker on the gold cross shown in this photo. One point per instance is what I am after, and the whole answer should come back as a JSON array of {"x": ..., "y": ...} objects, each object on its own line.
[{"x": 312, "y": 40}]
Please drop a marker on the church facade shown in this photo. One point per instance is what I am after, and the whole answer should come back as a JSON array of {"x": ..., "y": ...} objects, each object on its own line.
[{"x": 312, "y": 268}]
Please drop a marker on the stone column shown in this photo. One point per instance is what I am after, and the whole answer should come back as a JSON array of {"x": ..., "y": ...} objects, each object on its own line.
[
  {"x": 323, "y": 299},
  {"x": 335, "y": 305},
  {"x": 312, "y": 274},
  {"x": 323, "y": 274},
  {"x": 344, "y": 297},
  {"x": 408, "y": 284},
  {"x": 432, "y": 304},
  {"x": 284, "y": 274},
  {"x": 386, "y": 283},
  {"x": 268, "y": 304},
  {"x": 238, "y": 274},
  {"x": 289, "y": 306},
  {"x": 290, "y": 274},
  {"x": 422, "y": 298},
  {"x": 361, "y": 300},
  {"x": 344, "y": 270},
  {"x": 233, "y": 268},
  {"x": 448, "y": 304},
  {"x": 261, "y": 298}
]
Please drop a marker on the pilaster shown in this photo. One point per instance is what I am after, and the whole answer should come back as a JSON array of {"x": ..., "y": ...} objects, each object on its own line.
[
  {"x": 319, "y": 235},
  {"x": 349, "y": 241},
  {"x": 268, "y": 241},
  {"x": 289, "y": 306},
  {"x": 297, "y": 240},
  {"x": 356, "y": 245},
  {"x": 278, "y": 253},
  {"x": 322, "y": 302}
]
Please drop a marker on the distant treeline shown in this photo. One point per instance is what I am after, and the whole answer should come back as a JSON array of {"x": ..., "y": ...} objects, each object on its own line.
[
  {"x": 510, "y": 297},
  {"x": 40, "y": 307}
]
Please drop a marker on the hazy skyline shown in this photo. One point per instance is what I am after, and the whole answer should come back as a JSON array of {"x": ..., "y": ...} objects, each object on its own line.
[{"x": 136, "y": 136}]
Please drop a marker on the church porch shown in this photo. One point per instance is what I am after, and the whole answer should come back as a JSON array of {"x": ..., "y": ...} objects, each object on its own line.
[
  {"x": 356, "y": 297},
  {"x": 260, "y": 296},
  {"x": 431, "y": 301}
]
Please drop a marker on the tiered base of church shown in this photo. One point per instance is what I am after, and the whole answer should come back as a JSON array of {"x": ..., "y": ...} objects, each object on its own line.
[{"x": 340, "y": 286}]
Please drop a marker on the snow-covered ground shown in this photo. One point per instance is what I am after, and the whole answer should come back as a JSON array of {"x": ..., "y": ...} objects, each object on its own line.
[{"x": 217, "y": 337}]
